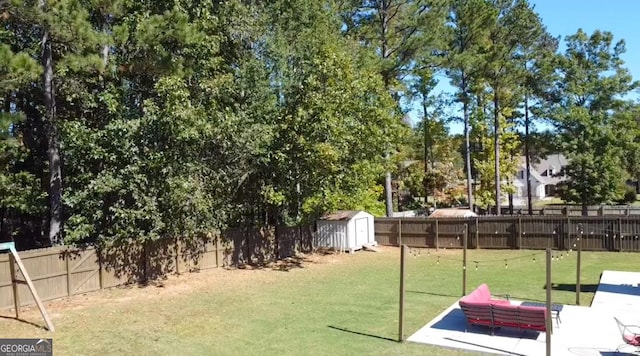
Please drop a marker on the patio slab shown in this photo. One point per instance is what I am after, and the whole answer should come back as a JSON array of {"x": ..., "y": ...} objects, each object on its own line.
[{"x": 583, "y": 330}]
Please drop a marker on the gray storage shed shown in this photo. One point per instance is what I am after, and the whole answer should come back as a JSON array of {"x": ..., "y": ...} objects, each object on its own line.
[{"x": 346, "y": 230}]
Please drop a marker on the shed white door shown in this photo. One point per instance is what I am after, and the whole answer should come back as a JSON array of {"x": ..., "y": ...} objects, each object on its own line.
[{"x": 362, "y": 231}]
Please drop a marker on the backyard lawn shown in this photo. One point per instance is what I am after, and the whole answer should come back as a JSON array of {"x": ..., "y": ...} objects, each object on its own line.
[{"x": 329, "y": 304}]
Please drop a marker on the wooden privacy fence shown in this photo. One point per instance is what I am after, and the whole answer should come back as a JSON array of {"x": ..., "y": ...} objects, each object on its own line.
[
  {"x": 576, "y": 211},
  {"x": 65, "y": 271},
  {"x": 601, "y": 233}
]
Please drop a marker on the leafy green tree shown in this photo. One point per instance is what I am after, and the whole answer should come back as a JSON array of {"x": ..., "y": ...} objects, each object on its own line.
[
  {"x": 20, "y": 195},
  {"x": 484, "y": 157},
  {"x": 402, "y": 34},
  {"x": 57, "y": 35},
  {"x": 168, "y": 153},
  {"x": 537, "y": 59},
  {"x": 467, "y": 37},
  {"x": 592, "y": 116},
  {"x": 515, "y": 29},
  {"x": 336, "y": 116},
  {"x": 441, "y": 165}
]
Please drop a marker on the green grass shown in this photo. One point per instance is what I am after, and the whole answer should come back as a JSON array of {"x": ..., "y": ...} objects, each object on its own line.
[{"x": 345, "y": 307}]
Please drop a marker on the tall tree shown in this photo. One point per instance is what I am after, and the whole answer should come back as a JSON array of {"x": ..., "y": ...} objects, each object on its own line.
[
  {"x": 65, "y": 46},
  {"x": 397, "y": 30},
  {"x": 592, "y": 116},
  {"x": 336, "y": 116},
  {"x": 20, "y": 195},
  {"x": 516, "y": 26},
  {"x": 468, "y": 26},
  {"x": 537, "y": 58}
]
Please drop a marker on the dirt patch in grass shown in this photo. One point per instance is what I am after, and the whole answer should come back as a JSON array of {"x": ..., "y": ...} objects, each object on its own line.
[{"x": 215, "y": 279}]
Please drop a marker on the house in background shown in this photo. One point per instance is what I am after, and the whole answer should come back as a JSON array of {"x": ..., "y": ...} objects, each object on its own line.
[{"x": 545, "y": 176}]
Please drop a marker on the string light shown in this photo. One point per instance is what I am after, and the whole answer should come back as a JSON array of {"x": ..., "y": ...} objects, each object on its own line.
[{"x": 556, "y": 256}]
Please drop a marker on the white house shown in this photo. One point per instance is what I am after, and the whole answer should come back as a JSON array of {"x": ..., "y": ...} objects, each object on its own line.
[
  {"x": 545, "y": 175},
  {"x": 345, "y": 230}
]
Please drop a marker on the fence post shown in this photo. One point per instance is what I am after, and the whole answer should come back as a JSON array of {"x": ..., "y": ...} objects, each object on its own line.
[
  {"x": 100, "y": 268},
  {"x": 464, "y": 259},
  {"x": 578, "y": 267},
  {"x": 477, "y": 234},
  {"x": 400, "y": 232},
  {"x": 67, "y": 255},
  {"x": 568, "y": 235},
  {"x": 519, "y": 233},
  {"x": 218, "y": 247},
  {"x": 437, "y": 242},
  {"x": 144, "y": 261},
  {"x": 178, "y": 255},
  {"x": 403, "y": 254},
  {"x": 620, "y": 233},
  {"x": 549, "y": 325},
  {"x": 14, "y": 284}
]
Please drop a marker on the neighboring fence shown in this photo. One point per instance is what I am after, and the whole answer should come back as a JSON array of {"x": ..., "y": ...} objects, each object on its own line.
[
  {"x": 65, "y": 271},
  {"x": 574, "y": 210},
  {"x": 513, "y": 232}
]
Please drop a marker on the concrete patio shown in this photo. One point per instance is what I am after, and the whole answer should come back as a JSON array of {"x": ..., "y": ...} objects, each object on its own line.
[{"x": 582, "y": 331}]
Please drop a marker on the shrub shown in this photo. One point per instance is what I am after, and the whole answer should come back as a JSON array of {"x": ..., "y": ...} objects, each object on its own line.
[{"x": 629, "y": 195}]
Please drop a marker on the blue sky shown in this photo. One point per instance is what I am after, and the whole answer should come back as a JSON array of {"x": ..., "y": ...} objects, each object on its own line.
[
  {"x": 620, "y": 17},
  {"x": 565, "y": 17}
]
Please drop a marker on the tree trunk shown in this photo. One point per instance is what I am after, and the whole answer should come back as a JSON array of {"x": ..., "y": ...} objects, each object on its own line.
[
  {"x": 53, "y": 149},
  {"x": 496, "y": 143},
  {"x": 527, "y": 158}
]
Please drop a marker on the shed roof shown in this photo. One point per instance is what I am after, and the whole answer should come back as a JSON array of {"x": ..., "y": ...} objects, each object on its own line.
[{"x": 341, "y": 215}]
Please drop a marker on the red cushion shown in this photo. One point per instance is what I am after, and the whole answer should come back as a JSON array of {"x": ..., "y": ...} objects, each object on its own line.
[
  {"x": 483, "y": 292},
  {"x": 480, "y": 294},
  {"x": 632, "y": 339}
]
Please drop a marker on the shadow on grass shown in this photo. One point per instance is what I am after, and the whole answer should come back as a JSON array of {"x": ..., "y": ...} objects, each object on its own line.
[
  {"x": 283, "y": 265},
  {"x": 362, "y": 334},
  {"x": 435, "y": 294},
  {"x": 23, "y": 321},
  {"x": 289, "y": 263},
  {"x": 568, "y": 287}
]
